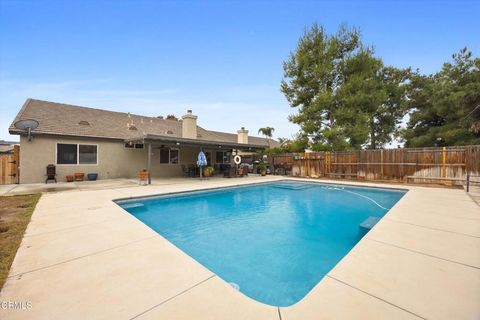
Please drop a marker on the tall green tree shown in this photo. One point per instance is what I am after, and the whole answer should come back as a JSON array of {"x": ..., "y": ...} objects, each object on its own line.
[
  {"x": 345, "y": 97},
  {"x": 445, "y": 107},
  {"x": 373, "y": 100},
  {"x": 312, "y": 74}
]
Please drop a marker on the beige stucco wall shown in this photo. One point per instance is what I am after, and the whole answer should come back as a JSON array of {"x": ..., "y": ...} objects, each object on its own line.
[{"x": 113, "y": 159}]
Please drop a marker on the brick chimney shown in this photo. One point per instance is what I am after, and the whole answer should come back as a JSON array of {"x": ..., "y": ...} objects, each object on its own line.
[
  {"x": 242, "y": 136},
  {"x": 189, "y": 125}
]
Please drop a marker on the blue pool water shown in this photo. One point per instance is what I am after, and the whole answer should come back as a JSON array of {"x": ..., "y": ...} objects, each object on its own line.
[{"x": 275, "y": 241}]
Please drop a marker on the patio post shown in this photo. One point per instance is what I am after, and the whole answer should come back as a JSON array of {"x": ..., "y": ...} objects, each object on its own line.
[{"x": 149, "y": 163}]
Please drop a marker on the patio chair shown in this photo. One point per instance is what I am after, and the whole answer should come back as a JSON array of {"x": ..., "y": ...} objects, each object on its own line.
[
  {"x": 230, "y": 173},
  {"x": 51, "y": 173},
  {"x": 185, "y": 171},
  {"x": 193, "y": 171}
]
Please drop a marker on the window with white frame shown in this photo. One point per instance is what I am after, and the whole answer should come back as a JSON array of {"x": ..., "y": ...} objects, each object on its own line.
[
  {"x": 129, "y": 145},
  {"x": 74, "y": 153},
  {"x": 169, "y": 156}
]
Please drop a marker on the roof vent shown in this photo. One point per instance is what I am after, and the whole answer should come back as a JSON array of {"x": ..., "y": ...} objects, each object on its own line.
[
  {"x": 84, "y": 123},
  {"x": 132, "y": 127},
  {"x": 169, "y": 132}
]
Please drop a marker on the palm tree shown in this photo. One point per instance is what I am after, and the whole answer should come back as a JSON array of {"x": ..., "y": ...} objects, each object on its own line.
[{"x": 267, "y": 132}]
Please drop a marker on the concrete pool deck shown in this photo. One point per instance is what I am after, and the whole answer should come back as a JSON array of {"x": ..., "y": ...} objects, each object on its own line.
[{"x": 83, "y": 257}]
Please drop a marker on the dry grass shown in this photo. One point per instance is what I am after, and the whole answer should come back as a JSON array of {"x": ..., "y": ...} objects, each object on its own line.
[{"x": 15, "y": 213}]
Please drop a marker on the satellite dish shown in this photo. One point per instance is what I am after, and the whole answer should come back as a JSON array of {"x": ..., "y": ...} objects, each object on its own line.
[{"x": 27, "y": 125}]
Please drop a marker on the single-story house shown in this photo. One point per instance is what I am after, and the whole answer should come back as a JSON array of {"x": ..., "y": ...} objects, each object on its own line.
[{"x": 118, "y": 144}]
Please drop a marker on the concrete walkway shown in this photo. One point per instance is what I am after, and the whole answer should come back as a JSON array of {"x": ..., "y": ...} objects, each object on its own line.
[
  {"x": 83, "y": 257},
  {"x": 13, "y": 189}
]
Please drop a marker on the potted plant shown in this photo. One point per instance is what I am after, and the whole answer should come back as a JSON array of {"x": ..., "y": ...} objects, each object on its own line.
[
  {"x": 143, "y": 176},
  {"x": 70, "y": 178},
  {"x": 208, "y": 171},
  {"x": 263, "y": 168},
  {"x": 92, "y": 176},
  {"x": 79, "y": 176}
]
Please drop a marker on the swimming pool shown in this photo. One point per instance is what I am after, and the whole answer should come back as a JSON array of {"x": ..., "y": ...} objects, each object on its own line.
[{"x": 273, "y": 241}]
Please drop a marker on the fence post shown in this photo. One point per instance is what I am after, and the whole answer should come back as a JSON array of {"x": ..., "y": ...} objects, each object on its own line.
[
  {"x": 307, "y": 159},
  {"x": 381, "y": 160},
  {"x": 326, "y": 163},
  {"x": 444, "y": 162},
  {"x": 468, "y": 182},
  {"x": 329, "y": 166}
]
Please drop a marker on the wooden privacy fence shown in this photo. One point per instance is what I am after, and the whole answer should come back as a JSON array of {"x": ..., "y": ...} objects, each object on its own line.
[
  {"x": 9, "y": 166},
  {"x": 449, "y": 165}
]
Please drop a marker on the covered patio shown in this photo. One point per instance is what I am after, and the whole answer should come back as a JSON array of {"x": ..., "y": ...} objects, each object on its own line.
[{"x": 180, "y": 154}]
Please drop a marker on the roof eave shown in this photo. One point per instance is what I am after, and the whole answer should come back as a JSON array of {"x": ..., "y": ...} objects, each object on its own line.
[
  {"x": 61, "y": 134},
  {"x": 195, "y": 142}
]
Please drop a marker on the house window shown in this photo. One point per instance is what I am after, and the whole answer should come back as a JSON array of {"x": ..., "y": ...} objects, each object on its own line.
[
  {"x": 129, "y": 145},
  {"x": 169, "y": 156},
  {"x": 222, "y": 157},
  {"x": 87, "y": 154},
  {"x": 174, "y": 156},
  {"x": 68, "y": 153}
]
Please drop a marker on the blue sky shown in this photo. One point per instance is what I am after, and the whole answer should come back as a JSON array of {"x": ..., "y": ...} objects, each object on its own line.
[{"x": 223, "y": 59}]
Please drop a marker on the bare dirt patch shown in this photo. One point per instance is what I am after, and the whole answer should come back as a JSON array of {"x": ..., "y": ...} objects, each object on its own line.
[{"x": 15, "y": 213}]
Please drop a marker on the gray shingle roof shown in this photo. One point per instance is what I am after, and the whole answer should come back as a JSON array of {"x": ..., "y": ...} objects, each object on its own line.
[{"x": 70, "y": 120}]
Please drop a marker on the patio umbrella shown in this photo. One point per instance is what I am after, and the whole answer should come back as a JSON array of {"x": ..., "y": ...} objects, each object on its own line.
[{"x": 201, "y": 161}]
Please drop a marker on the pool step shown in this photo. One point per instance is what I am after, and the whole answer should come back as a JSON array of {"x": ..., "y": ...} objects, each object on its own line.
[{"x": 368, "y": 224}]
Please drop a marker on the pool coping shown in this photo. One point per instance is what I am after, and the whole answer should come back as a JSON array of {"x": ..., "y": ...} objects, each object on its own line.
[{"x": 350, "y": 288}]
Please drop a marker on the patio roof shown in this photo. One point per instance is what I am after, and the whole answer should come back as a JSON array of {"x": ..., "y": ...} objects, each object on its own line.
[{"x": 177, "y": 141}]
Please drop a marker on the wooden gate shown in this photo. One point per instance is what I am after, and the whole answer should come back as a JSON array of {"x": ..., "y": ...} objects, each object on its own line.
[{"x": 9, "y": 172}]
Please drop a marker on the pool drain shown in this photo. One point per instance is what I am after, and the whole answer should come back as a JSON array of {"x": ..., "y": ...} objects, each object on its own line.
[{"x": 234, "y": 286}]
